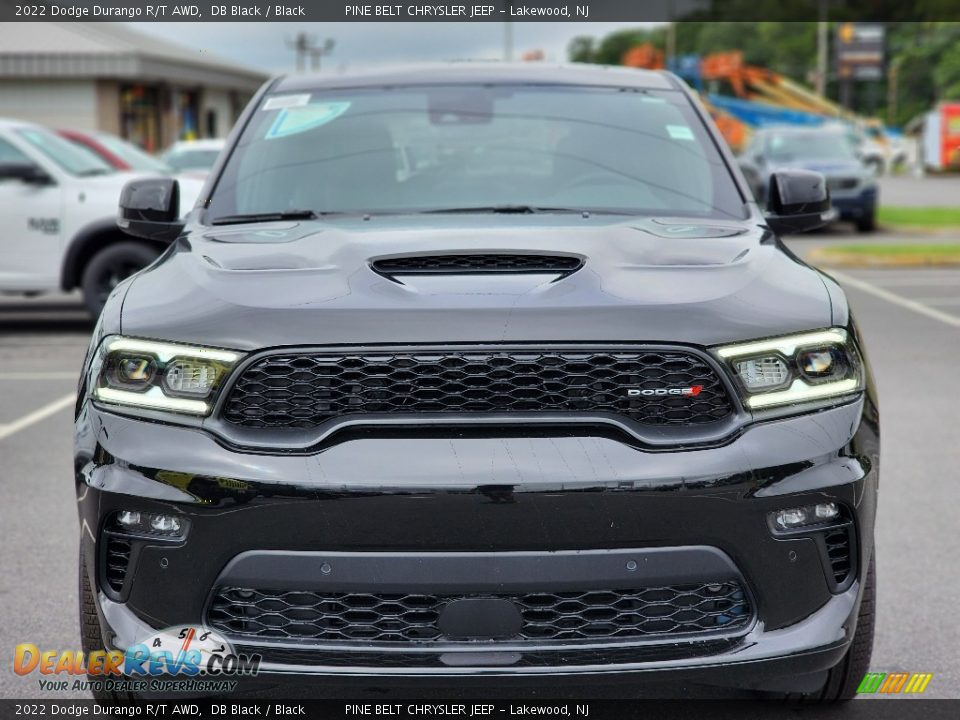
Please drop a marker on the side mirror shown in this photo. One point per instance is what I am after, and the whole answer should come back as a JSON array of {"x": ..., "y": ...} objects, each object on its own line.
[
  {"x": 150, "y": 208},
  {"x": 797, "y": 201},
  {"x": 24, "y": 172}
]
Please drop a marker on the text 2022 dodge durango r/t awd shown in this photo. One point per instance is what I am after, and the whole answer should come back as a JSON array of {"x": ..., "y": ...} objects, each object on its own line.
[{"x": 483, "y": 373}]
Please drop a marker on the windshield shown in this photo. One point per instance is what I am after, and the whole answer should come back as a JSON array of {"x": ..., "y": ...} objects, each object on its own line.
[
  {"x": 810, "y": 146},
  {"x": 188, "y": 159},
  {"x": 417, "y": 149},
  {"x": 74, "y": 159},
  {"x": 131, "y": 154}
]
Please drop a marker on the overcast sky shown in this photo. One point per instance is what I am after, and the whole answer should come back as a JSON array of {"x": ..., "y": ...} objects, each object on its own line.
[{"x": 263, "y": 45}]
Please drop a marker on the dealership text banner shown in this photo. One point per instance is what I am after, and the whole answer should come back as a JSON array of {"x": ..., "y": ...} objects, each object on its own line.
[{"x": 491, "y": 11}]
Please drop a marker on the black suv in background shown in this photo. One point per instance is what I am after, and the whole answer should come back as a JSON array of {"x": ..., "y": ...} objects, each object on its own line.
[{"x": 483, "y": 373}]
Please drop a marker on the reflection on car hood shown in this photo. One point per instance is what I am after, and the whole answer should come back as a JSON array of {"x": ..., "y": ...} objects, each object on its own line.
[{"x": 312, "y": 284}]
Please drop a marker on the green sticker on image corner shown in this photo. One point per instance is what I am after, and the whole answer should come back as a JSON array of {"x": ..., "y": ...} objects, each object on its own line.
[
  {"x": 680, "y": 132},
  {"x": 291, "y": 121}
]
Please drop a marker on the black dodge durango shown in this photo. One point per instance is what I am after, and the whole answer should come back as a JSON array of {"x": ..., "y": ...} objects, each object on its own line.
[{"x": 481, "y": 373}]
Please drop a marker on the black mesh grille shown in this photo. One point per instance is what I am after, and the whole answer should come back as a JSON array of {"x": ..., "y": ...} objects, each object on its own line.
[
  {"x": 842, "y": 183},
  {"x": 117, "y": 561},
  {"x": 580, "y": 615},
  {"x": 304, "y": 391},
  {"x": 487, "y": 262},
  {"x": 839, "y": 553}
]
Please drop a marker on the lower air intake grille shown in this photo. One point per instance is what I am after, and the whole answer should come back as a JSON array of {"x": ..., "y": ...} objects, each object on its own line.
[
  {"x": 674, "y": 610},
  {"x": 839, "y": 553},
  {"x": 670, "y": 387},
  {"x": 116, "y": 562},
  {"x": 480, "y": 263}
]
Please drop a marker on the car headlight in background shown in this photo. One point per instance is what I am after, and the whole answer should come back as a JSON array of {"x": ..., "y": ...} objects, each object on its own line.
[
  {"x": 795, "y": 369},
  {"x": 161, "y": 376}
]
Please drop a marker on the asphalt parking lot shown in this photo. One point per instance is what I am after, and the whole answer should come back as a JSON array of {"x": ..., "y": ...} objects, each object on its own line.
[{"x": 911, "y": 321}]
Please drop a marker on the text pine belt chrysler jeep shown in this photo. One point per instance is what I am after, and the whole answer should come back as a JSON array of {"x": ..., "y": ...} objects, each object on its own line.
[{"x": 479, "y": 374}]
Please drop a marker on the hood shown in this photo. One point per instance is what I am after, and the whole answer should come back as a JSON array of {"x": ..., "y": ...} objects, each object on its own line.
[{"x": 660, "y": 280}]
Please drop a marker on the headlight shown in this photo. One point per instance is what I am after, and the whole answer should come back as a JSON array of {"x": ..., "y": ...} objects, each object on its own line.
[
  {"x": 809, "y": 367},
  {"x": 161, "y": 376}
]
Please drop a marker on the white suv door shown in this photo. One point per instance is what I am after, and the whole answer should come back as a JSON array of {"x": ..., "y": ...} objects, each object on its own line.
[{"x": 31, "y": 232}]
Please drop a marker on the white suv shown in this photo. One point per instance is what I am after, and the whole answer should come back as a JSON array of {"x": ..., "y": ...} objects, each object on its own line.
[{"x": 58, "y": 206}]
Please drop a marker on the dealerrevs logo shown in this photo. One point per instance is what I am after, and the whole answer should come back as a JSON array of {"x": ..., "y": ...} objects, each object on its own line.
[
  {"x": 691, "y": 391},
  {"x": 191, "y": 653}
]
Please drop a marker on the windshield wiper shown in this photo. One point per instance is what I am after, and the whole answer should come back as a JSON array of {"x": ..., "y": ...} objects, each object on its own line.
[
  {"x": 502, "y": 210},
  {"x": 95, "y": 171},
  {"x": 522, "y": 210},
  {"x": 266, "y": 217}
]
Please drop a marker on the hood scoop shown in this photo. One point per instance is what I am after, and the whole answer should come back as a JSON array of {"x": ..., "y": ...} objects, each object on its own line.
[{"x": 476, "y": 263}]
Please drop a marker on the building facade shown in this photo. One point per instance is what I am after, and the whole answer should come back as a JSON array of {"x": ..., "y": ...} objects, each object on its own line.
[{"x": 106, "y": 76}]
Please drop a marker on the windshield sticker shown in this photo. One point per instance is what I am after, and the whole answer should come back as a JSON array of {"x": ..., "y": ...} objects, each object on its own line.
[
  {"x": 285, "y": 101},
  {"x": 291, "y": 121},
  {"x": 680, "y": 132}
]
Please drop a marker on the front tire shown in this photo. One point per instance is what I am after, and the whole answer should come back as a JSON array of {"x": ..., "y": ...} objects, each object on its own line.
[
  {"x": 91, "y": 635},
  {"x": 868, "y": 223},
  {"x": 844, "y": 679},
  {"x": 109, "y": 267}
]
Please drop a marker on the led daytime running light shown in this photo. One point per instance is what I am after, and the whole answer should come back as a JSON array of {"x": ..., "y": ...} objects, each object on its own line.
[
  {"x": 168, "y": 351},
  {"x": 799, "y": 391},
  {"x": 787, "y": 346}
]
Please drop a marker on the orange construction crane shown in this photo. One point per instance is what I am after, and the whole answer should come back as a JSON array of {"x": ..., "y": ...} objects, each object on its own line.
[
  {"x": 646, "y": 56},
  {"x": 762, "y": 85}
]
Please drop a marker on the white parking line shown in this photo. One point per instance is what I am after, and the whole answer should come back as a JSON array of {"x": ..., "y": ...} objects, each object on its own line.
[
  {"x": 914, "y": 281},
  {"x": 36, "y": 416},
  {"x": 938, "y": 300},
  {"x": 903, "y": 302}
]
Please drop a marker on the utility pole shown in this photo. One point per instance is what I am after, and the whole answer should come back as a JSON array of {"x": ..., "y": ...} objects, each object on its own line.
[
  {"x": 893, "y": 91},
  {"x": 508, "y": 41},
  {"x": 317, "y": 53},
  {"x": 306, "y": 46},
  {"x": 822, "y": 49},
  {"x": 671, "y": 42}
]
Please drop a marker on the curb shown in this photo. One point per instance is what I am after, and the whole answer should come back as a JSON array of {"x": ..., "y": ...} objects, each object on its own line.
[{"x": 921, "y": 231}]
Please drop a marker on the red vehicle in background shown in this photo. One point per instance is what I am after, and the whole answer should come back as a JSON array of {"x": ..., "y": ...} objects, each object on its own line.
[
  {"x": 937, "y": 134},
  {"x": 117, "y": 152}
]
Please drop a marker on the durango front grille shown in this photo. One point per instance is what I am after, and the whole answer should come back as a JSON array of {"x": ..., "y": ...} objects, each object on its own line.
[
  {"x": 306, "y": 390},
  {"x": 674, "y": 610},
  {"x": 477, "y": 263}
]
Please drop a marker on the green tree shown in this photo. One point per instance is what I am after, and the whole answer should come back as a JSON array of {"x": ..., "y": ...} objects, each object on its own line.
[{"x": 925, "y": 56}]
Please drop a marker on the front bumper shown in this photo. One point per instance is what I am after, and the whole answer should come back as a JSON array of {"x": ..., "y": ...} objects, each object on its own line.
[
  {"x": 429, "y": 514},
  {"x": 857, "y": 205}
]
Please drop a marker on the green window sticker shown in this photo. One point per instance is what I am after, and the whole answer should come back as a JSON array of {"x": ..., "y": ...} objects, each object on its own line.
[
  {"x": 680, "y": 132},
  {"x": 293, "y": 120}
]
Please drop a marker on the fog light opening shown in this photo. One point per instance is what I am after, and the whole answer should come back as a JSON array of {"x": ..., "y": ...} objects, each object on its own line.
[
  {"x": 826, "y": 511},
  {"x": 129, "y": 519},
  {"x": 805, "y": 516},
  {"x": 153, "y": 524}
]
